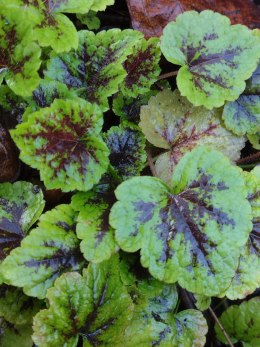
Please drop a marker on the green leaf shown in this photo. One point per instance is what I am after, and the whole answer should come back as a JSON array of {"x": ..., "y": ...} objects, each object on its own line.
[
  {"x": 241, "y": 323},
  {"x": 90, "y": 20},
  {"x": 202, "y": 302},
  {"x": 100, "y": 5},
  {"x": 247, "y": 277},
  {"x": 12, "y": 107},
  {"x": 253, "y": 84},
  {"x": 169, "y": 121},
  {"x": 254, "y": 139},
  {"x": 20, "y": 57},
  {"x": 215, "y": 57},
  {"x": 95, "y": 69},
  {"x": 142, "y": 67},
  {"x": 21, "y": 204},
  {"x": 50, "y": 250},
  {"x": 96, "y": 307},
  {"x": 127, "y": 150},
  {"x": 98, "y": 241},
  {"x": 15, "y": 335},
  {"x": 191, "y": 233},
  {"x": 63, "y": 142}
]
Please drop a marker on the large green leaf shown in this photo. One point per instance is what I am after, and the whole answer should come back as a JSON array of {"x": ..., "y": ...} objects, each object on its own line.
[
  {"x": 127, "y": 150},
  {"x": 95, "y": 69},
  {"x": 191, "y": 233},
  {"x": 63, "y": 142},
  {"x": 96, "y": 307},
  {"x": 50, "y": 250},
  {"x": 242, "y": 322},
  {"x": 98, "y": 241},
  {"x": 19, "y": 56},
  {"x": 215, "y": 57},
  {"x": 169, "y": 121},
  {"x": 21, "y": 204}
]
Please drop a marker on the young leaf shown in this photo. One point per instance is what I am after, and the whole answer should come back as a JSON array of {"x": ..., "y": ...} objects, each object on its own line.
[
  {"x": 169, "y": 121},
  {"x": 192, "y": 232},
  {"x": 90, "y": 20},
  {"x": 127, "y": 150},
  {"x": 50, "y": 250},
  {"x": 20, "y": 57},
  {"x": 142, "y": 68},
  {"x": 100, "y": 5},
  {"x": 96, "y": 307},
  {"x": 215, "y": 57},
  {"x": 63, "y": 142},
  {"x": 98, "y": 241},
  {"x": 95, "y": 69},
  {"x": 21, "y": 204},
  {"x": 242, "y": 323}
]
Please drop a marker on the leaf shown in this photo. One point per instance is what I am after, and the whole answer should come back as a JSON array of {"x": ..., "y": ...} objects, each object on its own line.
[
  {"x": 253, "y": 84},
  {"x": 247, "y": 277},
  {"x": 100, "y": 5},
  {"x": 15, "y": 335},
  {"x": 96, "y": 307},
  {"x": 63, "y": 142},
  {"x": 20, "y": 57},
  {"x": 192, "y": 232},
  {"x": 169, "y": 121},
  {"x": 90, "y": 20},
  {"x": 98, "y": 241},
  {"x": 50, "y": 250},
  {"x": 254, "y": 139},
  {"x": 215, "y": 60},
  {"x": 202, "y": 302},
  {"x": 142, "y": 67},
  {"x": 95, "y": 69},
  {"x": 127, "y": 150},
  {"x": 242, "y": 322},
  {"x": 151, "y": 17},
  {"x": 21, "y": 204}
]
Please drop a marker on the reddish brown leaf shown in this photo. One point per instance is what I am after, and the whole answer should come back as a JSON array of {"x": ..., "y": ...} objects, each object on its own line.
[{"x": 151, "y": 16}]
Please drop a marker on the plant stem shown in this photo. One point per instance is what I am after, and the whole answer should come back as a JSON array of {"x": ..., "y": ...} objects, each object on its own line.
[
  {"x": 186, "y": 298},
  {"x": 221, "y": 327},
  {"x": 150, "y": 162},
  {"x": 250, "y": 159},
  {"x": 167, "y": 75}
]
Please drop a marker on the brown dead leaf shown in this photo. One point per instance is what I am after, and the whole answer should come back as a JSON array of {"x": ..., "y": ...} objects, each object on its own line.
[{"x": 151, "y": 16}]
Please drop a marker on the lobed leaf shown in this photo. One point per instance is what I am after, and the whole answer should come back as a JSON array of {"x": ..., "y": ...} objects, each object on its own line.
[
  {"x": 192, "y": 232},
  {"x": 50, "y": 250},
  {"x": 215, "y": 58},
  {"x": 63, "y": 142},
  {"x": 169, "y": 121},
  {"x": 21, "y": 204}
]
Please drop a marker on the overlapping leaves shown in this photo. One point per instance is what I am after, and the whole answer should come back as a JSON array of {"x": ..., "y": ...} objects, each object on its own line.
[
  {"x": 169, "y": 121},
  {"x": 50, "y": 250},
  {"x": 63, "y": 141},
  {"x": 215, "y": 57},
  {"x": 191, "y": 232}
]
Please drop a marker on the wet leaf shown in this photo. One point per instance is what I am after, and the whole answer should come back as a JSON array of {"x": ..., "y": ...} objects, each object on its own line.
[
  {"x": 169, "y": 121},
  {"x": 63, "y": 142},
  {"x": 98, "y": 241},
  {"x": 50, "y": 250},
  {"x": 127, "y": 150},
  {"x": 95, "y": 69},
  {"x": 21, "y": 204},
  {"x": 150, "y": 16},
  {"x": 192, "y": 232},
  {"x": 96, "y": 307},
  {"x": 215, "y": 60},
  {"x": 242, "y": 322}
]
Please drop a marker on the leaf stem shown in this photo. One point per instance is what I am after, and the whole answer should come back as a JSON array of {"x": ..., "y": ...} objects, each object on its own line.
[
  {"x": 249, "y": 159},
  {"x": 167, "y": 75},
  {"x": 221, "y": 327},
  {"x": 151, "y": 163}
]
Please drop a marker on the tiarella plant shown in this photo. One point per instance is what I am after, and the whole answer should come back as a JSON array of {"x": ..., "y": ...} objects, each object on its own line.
[{"x": 149, "y": 218}]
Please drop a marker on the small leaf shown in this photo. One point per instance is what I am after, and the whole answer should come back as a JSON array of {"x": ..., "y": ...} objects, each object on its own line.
[
  {"x": 90, "y": 20},
  {"x": 63, "y": 142},
  {"x": 21, "y": 204},
  {"x": 98, "y": 242},
  {"x": 202, "y": 302},
  {"x": 96, "y": 307},
  {"x": 242, "y": 323},
  {"x": 100, "y": 5},
  {"x": 15, "y": 335},
  {"x": 127, "y": 150},
  {"x": 215, "y": 58},
  {"x": 20, "y": 57},
  {"x": 192, "y": 232},
  {"x": 50, "y": 249},
  {"x": 95, "y": 69},
  {"x": 254, "y": 139},
  {"x": 142, "y": 67},
  {"x": 169, "y": 121}
]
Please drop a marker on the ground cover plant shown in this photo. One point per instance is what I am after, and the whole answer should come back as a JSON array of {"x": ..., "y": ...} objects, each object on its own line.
[{"x": 130, "y": 176}]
